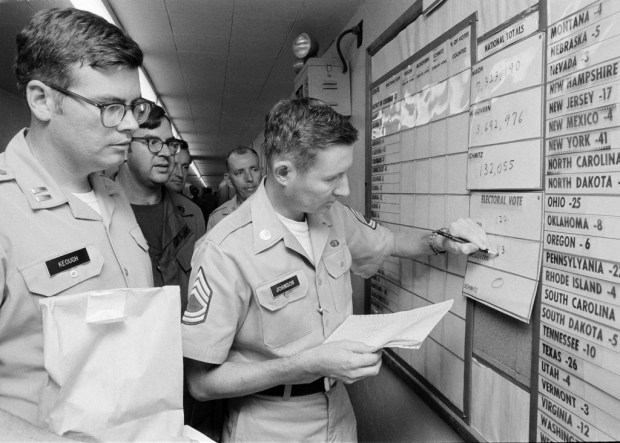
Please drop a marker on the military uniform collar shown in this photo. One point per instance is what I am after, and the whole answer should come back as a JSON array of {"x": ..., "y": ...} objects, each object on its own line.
[
  {"x": 268, "y": 230},
  {"x": 37, "y": 185}
]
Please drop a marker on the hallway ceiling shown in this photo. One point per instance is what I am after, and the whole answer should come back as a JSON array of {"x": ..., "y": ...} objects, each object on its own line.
[{"x": 217, "y": 65}]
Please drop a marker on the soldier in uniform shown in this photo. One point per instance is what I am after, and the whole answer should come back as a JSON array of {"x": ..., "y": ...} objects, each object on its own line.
[
  {"x": 243, "y": 174},
  {"x": 178, "y": 178},
  {"x": 170, "y": 222},
  {"x": 64, "y": 228},
  {"x": 272, "y": 281}
]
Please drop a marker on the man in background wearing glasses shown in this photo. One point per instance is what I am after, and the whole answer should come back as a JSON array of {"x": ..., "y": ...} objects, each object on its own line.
[
  {"x": 64, "y": 228},
  {"x": 170, "y": 222}
]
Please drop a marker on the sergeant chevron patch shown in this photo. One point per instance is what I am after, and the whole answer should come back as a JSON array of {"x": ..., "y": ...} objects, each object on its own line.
[
  {"x": 367, "y": 221},
  {"x": 199, "y": 301}
]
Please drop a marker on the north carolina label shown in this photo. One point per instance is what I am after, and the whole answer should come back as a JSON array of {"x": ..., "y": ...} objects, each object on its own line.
[{"x": 67, "y": 261}]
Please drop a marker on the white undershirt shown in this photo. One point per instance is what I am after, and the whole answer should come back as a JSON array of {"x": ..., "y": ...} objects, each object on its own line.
[
  {"x": 90, "y": 199},
  {"x": 300, "y": 231}
]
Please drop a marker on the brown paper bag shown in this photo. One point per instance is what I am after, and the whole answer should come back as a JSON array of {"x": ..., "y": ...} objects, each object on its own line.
[{"x": 115, "y": 365}]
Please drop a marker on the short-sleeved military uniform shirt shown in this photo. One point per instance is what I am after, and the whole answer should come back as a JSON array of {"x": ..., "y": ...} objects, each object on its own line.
[
  {"x": 222, "y": 211},
  {"x": 52, "y": 243},
  {"x": 257, "y": 295}
]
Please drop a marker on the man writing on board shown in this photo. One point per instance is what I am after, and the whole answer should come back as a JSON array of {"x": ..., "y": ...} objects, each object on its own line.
[{"x": 272, "y": 281}]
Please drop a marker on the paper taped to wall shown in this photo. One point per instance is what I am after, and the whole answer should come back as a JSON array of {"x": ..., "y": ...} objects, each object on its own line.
[{"x": 406, "y": 329}]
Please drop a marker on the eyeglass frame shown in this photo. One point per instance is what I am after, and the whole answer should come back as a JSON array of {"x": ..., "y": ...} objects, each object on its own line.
[
  {"x": 166, "y": 142},
  {"x": 103, "y": 106}
]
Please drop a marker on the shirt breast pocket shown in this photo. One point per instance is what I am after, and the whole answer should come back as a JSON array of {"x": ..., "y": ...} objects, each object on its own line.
[
  {"x": 284, "y": 307},
  {"x": 59, "y": 272},
  {"x": 338, "y": 264}
]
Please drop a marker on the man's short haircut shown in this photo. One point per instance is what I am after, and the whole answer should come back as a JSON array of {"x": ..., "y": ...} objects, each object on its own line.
[
  {"x": 56, "y": 39},
  {"x": 240, "y": 150},
  {"x": 298, "y": 129},
  {"x": 156, "y": 116}
]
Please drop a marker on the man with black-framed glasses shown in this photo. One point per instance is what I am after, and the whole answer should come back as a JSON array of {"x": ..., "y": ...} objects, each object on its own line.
[
  {"x": 64, "y": 227},
  {"x": 170, "y": 222}
]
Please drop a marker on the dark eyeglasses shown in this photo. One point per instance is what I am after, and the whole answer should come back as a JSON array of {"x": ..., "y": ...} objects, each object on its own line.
[
  {"x": 112, "y": 114},
  {"x": 155, "y": 144}
]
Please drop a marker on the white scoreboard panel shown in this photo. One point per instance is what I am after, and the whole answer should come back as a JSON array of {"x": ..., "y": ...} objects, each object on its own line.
[
  {"x": 579, "y": 353},
  {"x": 505, "y": 155},
  {"x": 419, "y": 132}
]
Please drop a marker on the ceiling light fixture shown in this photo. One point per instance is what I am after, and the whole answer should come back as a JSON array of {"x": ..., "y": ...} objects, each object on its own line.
[{"x": 304, "y": 47}]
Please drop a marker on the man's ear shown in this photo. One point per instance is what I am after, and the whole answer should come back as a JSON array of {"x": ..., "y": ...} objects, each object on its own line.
[
  {"x": 283, "y": 171},
  {"x": 227, "y": 178},
  {"x": 41, "y": 101}
]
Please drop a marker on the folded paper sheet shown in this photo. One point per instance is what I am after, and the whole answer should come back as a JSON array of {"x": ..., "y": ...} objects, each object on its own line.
[
  {"x": 115, "y": 365},
  {"x": 406, "y": 329}
]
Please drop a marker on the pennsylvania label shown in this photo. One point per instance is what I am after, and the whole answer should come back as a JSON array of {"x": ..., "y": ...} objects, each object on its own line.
[{"x": 588, "y": 266}]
